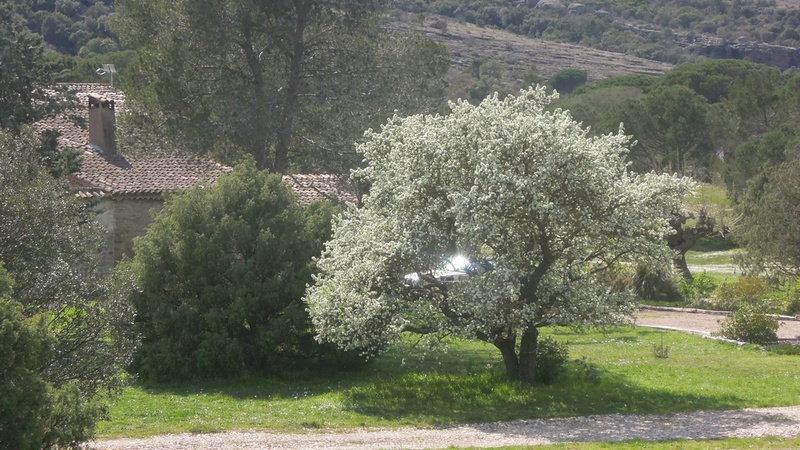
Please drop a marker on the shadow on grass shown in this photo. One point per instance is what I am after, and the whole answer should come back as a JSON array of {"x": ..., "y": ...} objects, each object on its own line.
[
  {"x": 467, "y": 384},
  {"x": 449, "y": 398},
  {"x": 249, "y": 388}
]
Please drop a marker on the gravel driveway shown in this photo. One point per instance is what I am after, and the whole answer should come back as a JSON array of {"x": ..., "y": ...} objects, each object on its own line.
[{"x": 784, "y": 422}]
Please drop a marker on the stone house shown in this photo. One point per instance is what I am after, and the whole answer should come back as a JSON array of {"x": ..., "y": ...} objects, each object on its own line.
[{"x": 127, "y": 189}]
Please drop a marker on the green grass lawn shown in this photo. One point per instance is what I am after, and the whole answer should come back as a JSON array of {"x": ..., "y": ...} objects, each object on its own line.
[{"x": 617, "y": 373}]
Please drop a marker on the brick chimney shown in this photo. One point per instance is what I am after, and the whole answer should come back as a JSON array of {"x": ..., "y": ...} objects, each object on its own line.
[{"x": 102, "y": 124}]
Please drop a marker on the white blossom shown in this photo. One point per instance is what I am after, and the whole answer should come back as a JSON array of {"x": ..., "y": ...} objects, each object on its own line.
[{"x": 528, "y": 186}]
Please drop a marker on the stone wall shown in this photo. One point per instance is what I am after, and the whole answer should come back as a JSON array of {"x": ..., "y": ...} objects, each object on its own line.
[{"x": 124, "y": 219}]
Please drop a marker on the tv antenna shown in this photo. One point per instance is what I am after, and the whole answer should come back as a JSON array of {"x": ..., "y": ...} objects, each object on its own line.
[{"x": 107, "y": 69}]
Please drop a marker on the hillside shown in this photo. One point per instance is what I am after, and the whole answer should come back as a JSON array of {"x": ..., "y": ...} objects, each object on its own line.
[
  {"x": 762, "y": 31},
  {"x": 517, "y": 54}
]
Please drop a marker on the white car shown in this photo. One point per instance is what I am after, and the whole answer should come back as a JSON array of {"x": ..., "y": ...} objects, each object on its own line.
[{"x": 455, "y": 269}]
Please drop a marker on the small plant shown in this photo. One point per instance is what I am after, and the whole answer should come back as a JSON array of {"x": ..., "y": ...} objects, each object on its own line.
[
  {"x": 697, "y": 291},
  {"x": 586, "y": 370},
  {"x": 661, "y": 350},
  {"x": 750, "y": 323},
  {"x": 551, "y": 357}
]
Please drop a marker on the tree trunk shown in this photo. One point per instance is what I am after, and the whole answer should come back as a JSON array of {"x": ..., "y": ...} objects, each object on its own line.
[
  {"x": 292, "y": 91},
  {"x": 507, "y": 347},
  {"x": 527, "y": 355},
  {"x": 679, "y": 263},
  {"x": 259, "y": 146}
]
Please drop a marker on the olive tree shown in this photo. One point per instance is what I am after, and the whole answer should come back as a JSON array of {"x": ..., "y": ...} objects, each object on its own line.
[{"x": 554, "y": 208}]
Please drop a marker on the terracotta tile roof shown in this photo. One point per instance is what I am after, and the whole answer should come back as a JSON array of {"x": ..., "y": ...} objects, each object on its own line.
[
  {"x": 82, "y": 91},
  {"x": 310, "y": 188},
  {"x": 146, "y": 177},
  {"x": 151, "y": 175}
]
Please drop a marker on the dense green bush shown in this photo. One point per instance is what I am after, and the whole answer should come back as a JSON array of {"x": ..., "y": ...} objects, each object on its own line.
[
  {"x": 221, "y": 272},
  {"x": 551, "y": 360},
  {"x": 751, "y": 323},
  {"x": 24, "y": 349},
  {"x": 567, "y": 80},
  {"x": 36, "y": 413},
  {"x": 732, "y": 296}
]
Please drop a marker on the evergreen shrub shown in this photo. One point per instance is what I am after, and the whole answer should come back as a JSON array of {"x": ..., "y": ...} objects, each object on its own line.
[{"x": 220, "y": 275}]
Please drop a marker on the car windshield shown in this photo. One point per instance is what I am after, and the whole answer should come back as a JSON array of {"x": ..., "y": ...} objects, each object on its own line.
[{"x": 459, "y": 263}]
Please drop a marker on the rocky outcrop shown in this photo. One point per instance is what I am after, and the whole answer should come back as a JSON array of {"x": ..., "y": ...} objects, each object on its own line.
[
  {"x": 772, "y": 55},
  {"x": 552, "y": 5}
]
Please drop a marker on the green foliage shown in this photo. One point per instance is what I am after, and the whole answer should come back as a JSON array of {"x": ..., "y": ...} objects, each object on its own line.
[
  {"x": 698, "y": 291},
  {"x": 25, "y": 347},
  {"x": 220, "y": 274},
  {"x": 751, "y": 323},
  {"x": 769, "y": 219},
  {"x": 26, "y": 91},
  {"x": 670, "y": 125},
  {"x": 792, "y": 307},
  {"x": 267, "y": 88},
  {"x": 567, "y": 80},
  {"x": 84, "y": 68},
  {"x": 656, "y": 284},
  {"x": 745, "y": 290},
  {"x": 552, "y": 357},
  {"x": 67, "y": 25},
  {"x": 711, "y": 78},
  {"x": 640, "y": 82},
  {"x": 591, "y": 105},
  {"x": 50, "y": 246},
  {"x": 784, "y": 349}
]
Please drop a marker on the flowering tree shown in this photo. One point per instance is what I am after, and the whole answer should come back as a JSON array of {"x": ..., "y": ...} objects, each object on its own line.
[{"x": 553, "y": 207}]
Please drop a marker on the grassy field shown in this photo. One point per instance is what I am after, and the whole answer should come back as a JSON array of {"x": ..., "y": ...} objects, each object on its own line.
[{"x": 613, "y": 372}]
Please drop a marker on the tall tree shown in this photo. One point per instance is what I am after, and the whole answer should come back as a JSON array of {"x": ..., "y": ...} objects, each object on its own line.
[
  {"x": 770, "y": 214},
  {"x": 555, "y": 208},
  {"x": 28, "y": 92},
  {"x": 24, "y": 97},
  {"x": 671, "y": 127},
  {"x": 291, "y": 82},
  {"x": 756, "y": 101}
]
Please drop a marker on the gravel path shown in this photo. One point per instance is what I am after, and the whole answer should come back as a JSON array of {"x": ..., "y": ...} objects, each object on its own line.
[
  {"x": 784, "y": 422},
  {"x": 704, "y": 322}
]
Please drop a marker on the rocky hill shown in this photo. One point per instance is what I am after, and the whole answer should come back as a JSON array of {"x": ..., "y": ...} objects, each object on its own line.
[
  {"x": 517, "y": 54},
  {"x": 524, "y": 32}
]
